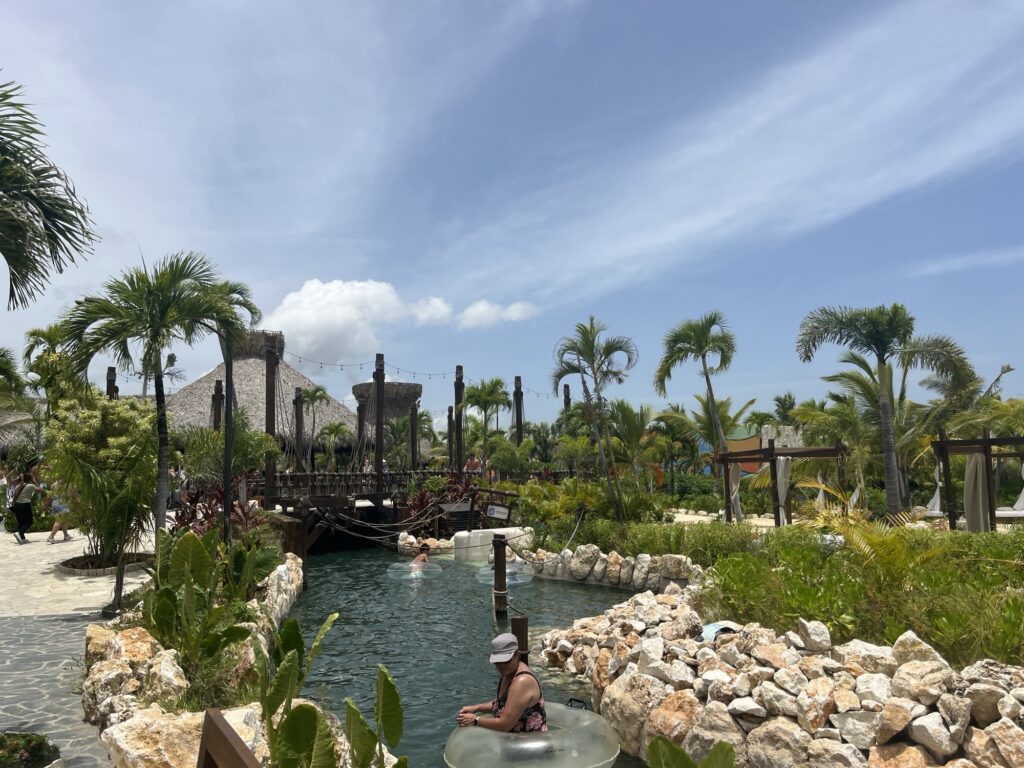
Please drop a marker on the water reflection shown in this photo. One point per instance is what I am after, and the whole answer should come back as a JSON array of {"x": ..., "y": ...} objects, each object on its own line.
[{"x": 433, "y": 635}]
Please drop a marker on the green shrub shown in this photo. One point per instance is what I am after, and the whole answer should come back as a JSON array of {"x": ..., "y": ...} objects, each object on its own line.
[
  {"x": 696, "y": 485},
  {"x": 26, "y": 750},
  {"x": 706, "y": 502}
]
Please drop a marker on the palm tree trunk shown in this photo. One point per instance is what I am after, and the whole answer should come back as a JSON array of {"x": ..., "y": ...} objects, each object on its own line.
[
  {"x": 483, "y": 449},
  {"x": 588, "y": 407},
  {"x": 892, "y": 482},
  {"x": 737, "y": 514},
  {"x": 163, "y": 448}
]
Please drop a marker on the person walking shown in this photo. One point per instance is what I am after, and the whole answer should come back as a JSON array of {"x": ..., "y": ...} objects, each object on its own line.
[
  {"x": 59, "y": 509},
  {"x": 22, "y": 507}
]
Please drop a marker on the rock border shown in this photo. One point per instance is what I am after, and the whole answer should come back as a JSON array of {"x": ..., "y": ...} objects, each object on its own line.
[{"x": 71, "y": 571}]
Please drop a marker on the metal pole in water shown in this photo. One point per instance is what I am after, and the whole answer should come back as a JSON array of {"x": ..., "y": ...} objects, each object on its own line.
[{"x": 500, "y": 583}]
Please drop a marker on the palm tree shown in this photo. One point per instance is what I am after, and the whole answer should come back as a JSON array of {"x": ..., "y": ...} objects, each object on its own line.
[
  {"x": 45, "y": 359},
  {"x": 629, "y": 427},
  {"x": 598, "y": 362},
  {"x": 311, "y": 398},
  {"x": 43, "y": 225},
  {"x": 884, "y": 333},
  {"x": 10, "y": 378},
  {"x": 179, "y": 300},
  {"x": 332, "y": 434},
  {"x": 488, "y": 396}
]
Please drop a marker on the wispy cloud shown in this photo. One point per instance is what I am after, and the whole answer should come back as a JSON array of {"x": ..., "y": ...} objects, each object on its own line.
[
  {"x": 968, "y": 261},
  {"x": 916, "y": 94},
  {"x": 487, "y": 314}
]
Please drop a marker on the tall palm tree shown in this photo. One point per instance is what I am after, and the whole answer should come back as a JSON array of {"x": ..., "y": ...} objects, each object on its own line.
[
  {"x": 43, "y": 226},
  {"x": 488, "y": 396},
  {"x": 137, "y": 319},
  {"x": 332, "y": 434},
  {"x": 45, "y": 359},
  {"x": 10, "y": 378},
  {"x": 598, "y": 362},
  {"x": 311, "y": 398},
  {"x": 884, "y": 333},
  {"x": 629, "y": 427}
]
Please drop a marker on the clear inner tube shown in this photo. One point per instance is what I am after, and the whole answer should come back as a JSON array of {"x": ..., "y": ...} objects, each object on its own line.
[
  {"x": 413, "y": 571},
  {"x": 576, "y": 738},
  {"x": 515, "y": 573}
]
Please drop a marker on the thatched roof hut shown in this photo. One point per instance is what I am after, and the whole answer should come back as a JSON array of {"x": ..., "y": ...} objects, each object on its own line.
[
  {"x": 399, "y": 397},
  {"x": 192, "y": 405}
]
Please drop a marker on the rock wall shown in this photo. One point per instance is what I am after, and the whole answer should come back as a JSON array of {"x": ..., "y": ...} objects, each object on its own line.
[{"x": 791, "y": 699}]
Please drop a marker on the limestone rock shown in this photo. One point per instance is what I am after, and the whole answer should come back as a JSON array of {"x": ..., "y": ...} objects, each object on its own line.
[
  {"x": 775, "y": 700},
  {"x": 678, "y": 674},
  {"x": 815, "y": 704},
  {"x": 1009, "y": 739},
  {"x": 97, "y": 638},
  {"x": 858, "y": 728},
  {"x": 283, "y": 587},
  {"x": 790, "y": 679},
  {"x": 923, "y": 681},
  {"x": 116, "y": 709},
  {"x": 825, "y": 753},
  {"x": 626, "y": 705},
  {"x": 155, "y": 739},
  {"x": 870, "y": 658},
  {"x": 165, "y": 678},
  {"x": 1009, "y": 707},
  {"x": 896, "y": 715},
  {"x": 105, "y": 679},
  {"x": 956, "y": 712},
  {"x": 815, "y": 636},
  {"x": 931, "y": 733},
  {"x": 745, "y": 706},
  {"x": 134, "y": 646},
  {"x": 599, "y": 568},
  {"x": 909, "y": 647},
  {"x": 715, "y": 724},
  {"x": 599, "y": 678},
  {"x": 984, "y": 699},
  {"x": 672, "y": 718},
  {"x": 777, "y": 655},
  {"x": 900, "y": 756},
  {"x": 614, "y": 568},
  {"x": 653, "y": 580},
  {"x": 779, "y": 741},
  {"x": 994, "y": 672},
  {"x": 685, "y": 623},
  {"x": 874, "y": 686},
  {"x": 651, "y": 651},
  {"x": 981, "y": 749},
  {"x": 846, "y": 701},
  {"x": 582, "y": 562},
  {"x": 626, "y": 572},
  {"x": 674, "y": 567}
]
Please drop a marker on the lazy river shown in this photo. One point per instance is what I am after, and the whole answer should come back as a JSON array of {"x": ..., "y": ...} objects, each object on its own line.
[{"x": 432, "y": 634}]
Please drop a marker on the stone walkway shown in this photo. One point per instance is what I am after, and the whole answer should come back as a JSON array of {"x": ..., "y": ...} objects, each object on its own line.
[{"x": 43, "y": 614}]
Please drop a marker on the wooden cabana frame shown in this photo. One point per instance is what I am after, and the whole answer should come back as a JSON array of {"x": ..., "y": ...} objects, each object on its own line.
[
  {"x": 944, "y": 448},
  {"x": 770, "y": 455}
]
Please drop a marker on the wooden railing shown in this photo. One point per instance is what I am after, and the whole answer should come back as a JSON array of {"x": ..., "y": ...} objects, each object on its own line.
[{"x": 221, "y": 747}]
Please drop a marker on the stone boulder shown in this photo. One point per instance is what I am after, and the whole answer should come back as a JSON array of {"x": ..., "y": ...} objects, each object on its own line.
[
  {"x": 106, "y": 679},
  {"x": 165, "y": 678},
  {"x": 858, "y": 728},
  {"x": 685, "y": 623},
  {"x": 1009, "y": 739},
  {"x": 895, "y": 716},
  {"x": 956, "y": 712},
  {"x": 815, "y": 636},
  {"x": 826, "y": 753},
  {"x": 674, "y": 567},
  {"x": 715, "y": 724},
  {"x": 582, "y": 562},
  {"x": 613, "y": 571},
  {"x": 97, "y": 637},
  {"x": 984, "y": 698},
  {"x": 900, "y": 756},
  {"x": 777, "y": 742},
  {"x": 672, "y": 718},
  {"x": 923, "y": 681},
  {"x": 600, "y": 567},
  {"x": 134, "y": 646},
  {"x": 815, "y": 704},
  {"x": 931, "y": 733},
  {"x": 866, "y": 657},
  {"x": 284, "y": 585},
  {"x": 909, "y": 647},
  {"x": 626, "y": 572},
  {"x": 626, "y": 705}
]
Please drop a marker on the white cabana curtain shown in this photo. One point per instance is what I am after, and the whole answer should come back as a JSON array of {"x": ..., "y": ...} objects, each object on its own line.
[
  {"x": 976, "y": 494},
  {"x": 734, "y": 498},
  {"x": 1019, "y": 503},
  {"x": 783, "y": 468},
  {"x": 819, "y": 501},
  {"x": 935, "y": 503},
  {"x": 854, "y": 499}
]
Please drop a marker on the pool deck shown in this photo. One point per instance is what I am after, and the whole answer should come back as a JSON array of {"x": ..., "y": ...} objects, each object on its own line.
[{"x": 43, "y": 614}]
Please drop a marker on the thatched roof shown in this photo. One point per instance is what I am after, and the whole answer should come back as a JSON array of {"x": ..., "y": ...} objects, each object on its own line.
[
  {"x": 398, "y": 398},
  {"x": 192, "y": 405}
]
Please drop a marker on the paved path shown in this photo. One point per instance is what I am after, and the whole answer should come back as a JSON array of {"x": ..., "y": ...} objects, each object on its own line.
[
  {"x": 687, "y": 517},
  {"x": 43, "y": 614}
]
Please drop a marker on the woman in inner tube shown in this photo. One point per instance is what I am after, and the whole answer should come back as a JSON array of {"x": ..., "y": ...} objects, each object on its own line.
[{"x": 519, "y": 704}]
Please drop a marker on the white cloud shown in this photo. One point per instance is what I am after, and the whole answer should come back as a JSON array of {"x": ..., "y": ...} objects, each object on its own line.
[
  {"x": 918, "y": 93},
  {"x": 965, "y": 261},
  {"x": 486, "y": 314},
  {"x": 340, "y": 320}
]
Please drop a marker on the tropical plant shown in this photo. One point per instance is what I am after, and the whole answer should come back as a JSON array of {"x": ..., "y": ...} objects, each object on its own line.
[
  {"x": 598, "y": 361},
  {"x": 49, "y": 367},
  {"x": 488, "y": 396},
  {"x": 203, "y": 451},
  {"x": 662, "y": 753},
  {"x": 311, "y": 398},
  {"x": 44, "y": 227},
  {"x": 333, "y": 434},
  {"x": 366, "y": 745},
  {"x": 700, "y": 340},
  {"x": 179, "y": 300},
  {"x": 884, "y": 333},
  {"x": 297, "y": 736}
]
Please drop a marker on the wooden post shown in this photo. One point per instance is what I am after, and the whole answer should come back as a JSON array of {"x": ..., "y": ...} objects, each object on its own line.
[
  {"x": 566, "y": 398},
  {"x": 451, "y": 438},
  {"x": 500, "y": 582},
  {"x": 460, "y": 389},
  {"x": 517, "y": 405},
  {"x": 271, "y": 357},
  {"x": 221, "y": 747},
  {"x": 218, "y": 403},
  {"x": 414, "y": 437},
  {"x": 948, "y": 494},
  {"x": 727, "y": 488},
  {"x": 111, "y": 383},
  {"x": 360, "y": 436},
  {"x": 989, "y": 479},
  {"x": 521, "y": 629},
  {"x": 774, "y": 468},
  {"x": 300, "y": 431},
  {"x": 378, "y": 428}
]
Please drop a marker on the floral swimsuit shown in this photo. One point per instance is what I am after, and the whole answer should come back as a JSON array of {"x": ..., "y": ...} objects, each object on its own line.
[{"x": 534, "y": 718}]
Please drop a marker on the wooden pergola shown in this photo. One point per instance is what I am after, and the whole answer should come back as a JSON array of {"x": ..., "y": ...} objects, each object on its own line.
[
  {"x": 770, "y": 455},
  {"x": 945, "y": 447}
]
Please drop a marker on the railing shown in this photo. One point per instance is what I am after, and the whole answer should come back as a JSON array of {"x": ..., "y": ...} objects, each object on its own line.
[{"x": 221, "y": 747}]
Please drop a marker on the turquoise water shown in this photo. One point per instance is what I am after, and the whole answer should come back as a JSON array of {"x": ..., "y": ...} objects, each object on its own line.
[{"x": 433, "y": 635}]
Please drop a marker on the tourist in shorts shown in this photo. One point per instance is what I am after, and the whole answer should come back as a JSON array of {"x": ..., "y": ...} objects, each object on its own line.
[{"x": 59, "y": 508}]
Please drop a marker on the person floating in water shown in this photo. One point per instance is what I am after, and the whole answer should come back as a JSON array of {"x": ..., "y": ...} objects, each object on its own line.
[
  {"x": 519, "y": 704},
  {"x": 422, "y": 556}
]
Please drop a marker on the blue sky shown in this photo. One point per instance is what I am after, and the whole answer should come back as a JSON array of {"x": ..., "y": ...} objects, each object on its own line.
[{"x": 461, "y": 182}]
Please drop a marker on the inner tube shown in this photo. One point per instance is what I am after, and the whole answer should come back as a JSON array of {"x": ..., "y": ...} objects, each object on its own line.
[
  {"x": 413, "y": 571},
  {"x": 576, "y": 738},
  {"x": 515, "y": 573}
]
